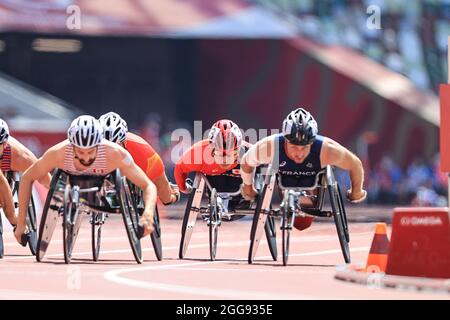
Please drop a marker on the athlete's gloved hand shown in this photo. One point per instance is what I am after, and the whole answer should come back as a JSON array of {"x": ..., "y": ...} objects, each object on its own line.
[
  {"x": 175, "y": 195},
  {"x": 189, "y": 186},
  {"x": 248, "y": 192},
  {"x": 356, "y": 197},
  {"x": 21, "y": 234}
]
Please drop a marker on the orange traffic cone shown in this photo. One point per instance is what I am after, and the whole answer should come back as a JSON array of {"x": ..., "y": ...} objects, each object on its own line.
[{"x": 378, "y": 254}]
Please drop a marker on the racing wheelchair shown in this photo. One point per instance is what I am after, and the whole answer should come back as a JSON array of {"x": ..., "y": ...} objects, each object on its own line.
[
  {"x": 325, "y": 183},
  {"x": 224, "y": 203},
  {"x": 30, "y": 237},
  {"x": 71, "y": 197}
]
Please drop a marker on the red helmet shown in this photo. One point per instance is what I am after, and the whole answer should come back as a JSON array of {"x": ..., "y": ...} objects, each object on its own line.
[{"x": 225, "y": 136}]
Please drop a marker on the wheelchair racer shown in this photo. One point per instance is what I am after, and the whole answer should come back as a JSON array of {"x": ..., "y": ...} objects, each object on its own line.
[
  {"x": 218, "y": 158},
  {"x": 14, "y": 157},
  {"x": 115, "y": 129},
  {"x": 298, "y": 155},
  {"x": 85, "y": 152}
]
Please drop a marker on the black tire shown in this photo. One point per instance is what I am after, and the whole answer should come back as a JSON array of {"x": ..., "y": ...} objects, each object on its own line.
[
  {"x": 96, "y": 228},
  {"x": 46, "y": 230},
  {"x": 32, "y": 227},
  {"x": 214, "y": 222},
  {"x": 253, "y": 248},
  {"x": 271, "y": 236},
  {"x": 344, "y": 214},
  {"x": 156, "y": 236},
  {"x": 130, "y": 215},
  {"x": 1, "y": 239},
  {"x": 68, "y": 225},
  {"x": 286, "y": 226},
  {"x": 187, "y": 211},
  {"x": 337, "y": 206}
]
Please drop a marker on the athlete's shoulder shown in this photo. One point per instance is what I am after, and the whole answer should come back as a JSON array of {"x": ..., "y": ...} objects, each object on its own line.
[{"x": 132, "y": 137}]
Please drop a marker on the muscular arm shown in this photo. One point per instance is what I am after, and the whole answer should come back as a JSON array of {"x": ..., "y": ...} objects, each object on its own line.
[
  {"x": 165, "y": 192},
  {"x": 39, "y": 170},
  {"x": 6, "y": 199},
  {"x": 23, "y": 159},
  {"x": 259, "y": 154},
  {"x": 335, "y": 154}
]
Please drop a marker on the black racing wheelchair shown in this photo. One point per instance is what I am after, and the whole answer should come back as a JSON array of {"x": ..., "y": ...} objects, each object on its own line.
[
  {"x": 31, "y": 237},
  {"x": 291, "y": 207},
  {"x": 72, "y": 196},
  {"x": 224, "y": 203}
]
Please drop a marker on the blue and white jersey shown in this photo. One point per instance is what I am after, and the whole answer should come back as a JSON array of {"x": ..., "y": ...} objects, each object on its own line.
[{"x": 299, "y": 175}]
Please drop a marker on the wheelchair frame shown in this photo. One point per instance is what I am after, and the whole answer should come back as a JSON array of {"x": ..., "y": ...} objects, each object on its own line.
[
  {"x": 212, "y": 214},
  {"x": 65, "y": 200},
  {"x": 291, "y": 208}
]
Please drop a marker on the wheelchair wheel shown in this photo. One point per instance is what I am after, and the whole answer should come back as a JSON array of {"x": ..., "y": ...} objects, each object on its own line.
[
  {"x": 69, "y": 215},
  {"x": 96, "y": 226},
  {"x": 344, "y": 214},
  {"x": 287, "y": 221},
  {"x": 214, "y": 223},
  {"x": 185, "y": 233},
  {"x": 130, "y": 215},
  {"x": 271, "y": 237},
  {"x": 259, "y": 221},
  {"x": 156, "y": 236},
  {"x": 1, "y": 239},
  {"x": 32, "y": 227},
  {"x": 339, "y": 220},
  {"x": 50, "y": 213}
]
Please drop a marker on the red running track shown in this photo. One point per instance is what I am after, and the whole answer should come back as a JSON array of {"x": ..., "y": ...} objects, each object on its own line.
[{"x": 310, "y": 274}]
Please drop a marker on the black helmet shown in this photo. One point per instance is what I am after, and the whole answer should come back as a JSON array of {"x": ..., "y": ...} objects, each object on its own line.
[{"x": 300, "y": 128}]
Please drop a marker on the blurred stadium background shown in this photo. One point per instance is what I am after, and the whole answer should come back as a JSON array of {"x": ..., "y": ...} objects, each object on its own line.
[{"x": 164, "y": 63}]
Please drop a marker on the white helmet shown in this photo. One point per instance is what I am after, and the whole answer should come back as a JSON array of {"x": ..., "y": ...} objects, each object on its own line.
[
  {"x": 114, "y": 127},
  {"x": 225, "y": 135},
  {"x": 85, "y": 132},
  {"x": 4, "y": 131}
]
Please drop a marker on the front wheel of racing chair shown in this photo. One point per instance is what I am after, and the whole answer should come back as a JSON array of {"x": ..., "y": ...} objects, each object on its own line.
[
  {"x": 50, "y": 213},
  {"x": 340, "y": 218},
  {"x": 287, "y": 221},
  {"x": 13, "y": 179},
  {"x": 130, "y": 214},
  {"x": 214, "y": 223},
  {"x": 71, "y": 216},
  {"x": 97, "y": 220}
]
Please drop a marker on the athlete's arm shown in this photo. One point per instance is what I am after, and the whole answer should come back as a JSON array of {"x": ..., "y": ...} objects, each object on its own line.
[
  {"x": 335, "y": 154},
  {"x": 6, "y": 199},
  {"x": 23, "y": 158},
  {"x": 165, "y": 192},
  {"x": 259, "y": 154},
  {"x": 38, "y": 171}
]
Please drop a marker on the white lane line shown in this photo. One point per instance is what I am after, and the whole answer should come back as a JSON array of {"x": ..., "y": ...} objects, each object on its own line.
[{"x": 115, "y": 276}]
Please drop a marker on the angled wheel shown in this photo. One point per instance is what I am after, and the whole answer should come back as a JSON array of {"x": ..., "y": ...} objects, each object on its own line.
[
  {"x": 344, "y": 214},
  {"x": 259, "y": 223},
  {"x": 130, "y": 215},
  {"x": 339, "y": 220},
  {"x": 156, "y": 236},
  {"x": 190, "y": 216},
  {"x": 214, "y": 223},
  {"x": 50, "y": 214},
  {"x": 271, "y": 237},
  {"x": 32, "y": 227},
  {"x": 96, "y": 230}
]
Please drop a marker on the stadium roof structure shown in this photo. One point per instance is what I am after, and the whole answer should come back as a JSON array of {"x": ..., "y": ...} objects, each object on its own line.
[
  {"x": 153, "y": 18},
  {"x": 28, "y": 109}
]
